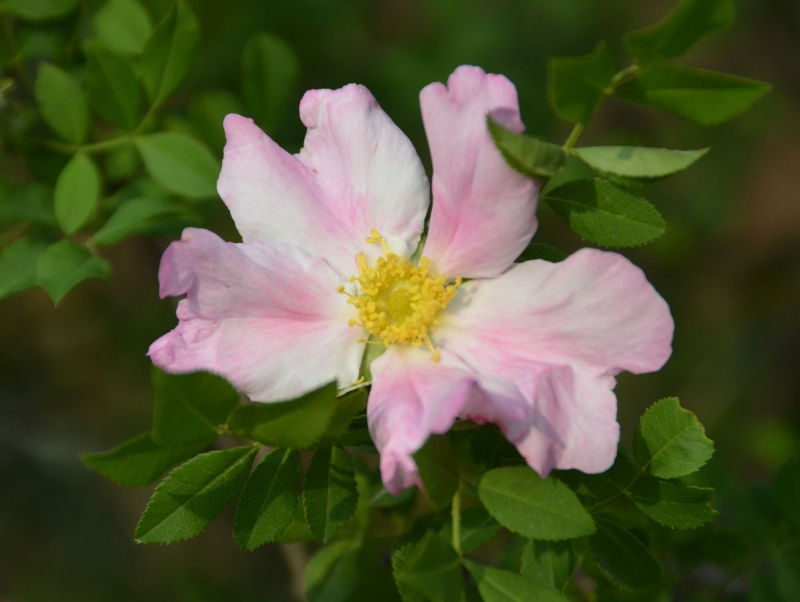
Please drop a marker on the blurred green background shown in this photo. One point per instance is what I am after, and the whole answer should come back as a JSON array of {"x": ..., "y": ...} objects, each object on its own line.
[{"x": 76, "y": 378}]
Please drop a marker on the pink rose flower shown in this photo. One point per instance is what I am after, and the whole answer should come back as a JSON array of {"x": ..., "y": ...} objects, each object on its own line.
[{"x": 324, "y": 266}]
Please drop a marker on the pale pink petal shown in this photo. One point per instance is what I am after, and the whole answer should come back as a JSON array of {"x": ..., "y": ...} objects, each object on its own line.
[
  {"x": 414, "y": 397},
  {"x": 266, "y": 316},
  {"x": 484, "y": 212},
  {"x": 357, "y": 172},
  {"x": 560, "y": 332}
]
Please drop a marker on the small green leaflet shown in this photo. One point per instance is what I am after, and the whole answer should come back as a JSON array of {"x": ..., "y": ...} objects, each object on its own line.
[
  {"x": 269, "y": 74},
  {"x": 180, "y": 163},
  {"x": 332, "y": 574},
  {"x": 670, "y": 441},
  {"x": 438, "y": 470},
  {"x": 62, "y": 103},
  {"x": 268, "y": 501},
  {"x": 123, "y": 25},
  {"x": 673, "y": 504},
  {"x": 192, "y": 495},
  {"x": 27, "y": 202},
  {"x": 190, "y": 407},
  {"x": 530, "y": 156},
  {"x": 637, "y": 162},
  {"x": 18, "y": 263},
  {"x": 594, "y": 488},
  {"x": 64, "y": 265},
  {"x": 538, "y": 250},
  {"x": 689, "y": 23},
  {"x": 704, "y": 97},
  {"x": 143, "y": 216},
  {"x": 140, "y": 461},
  {"x": 496, "y": 585},
  {"x": 577, "y": 84},
  {"x": 113, "y": 85},
  {"x": 549, "y": 563},
  {"x": 539, "y": 509},
  {"x": 477, "y": 527},
  {"x": 329, "y": 492},
  {"x": 605, "y": 214},
  {"x": 624, "y": 560},
  {"x": 168, "y": 52},
  {"x": 428, "y": 570},
  {"x": 77, "y": 192},
  {"x": 36, "y": 10}
]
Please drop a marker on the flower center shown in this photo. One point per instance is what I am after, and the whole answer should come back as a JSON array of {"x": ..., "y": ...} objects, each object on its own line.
[{"x": 399, "y": 301}]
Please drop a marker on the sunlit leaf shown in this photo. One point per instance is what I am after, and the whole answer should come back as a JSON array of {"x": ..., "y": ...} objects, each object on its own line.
[
  {"x": 77, "y": 193},
  {"x": 329, "y": 492},
  {"x": 530, "y": 156},
  {"x": 637, "y": 162},
  {"x": 496, "y": 585},
  {"x": 62, "y": 103},
  {"x": 577, "y": 84},
  {"x": 674, "y": 504},
  {"x": 64, "y": 265},
  {"x": 143, "y": 216},
  {"x": 123, "y": 25},
  {"x": 548, "y": 563},
  {"x": 180, "y": 163}
]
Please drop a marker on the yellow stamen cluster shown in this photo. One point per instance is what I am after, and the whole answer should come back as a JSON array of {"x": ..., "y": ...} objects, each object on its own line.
[{"x": 399, "y": 301}]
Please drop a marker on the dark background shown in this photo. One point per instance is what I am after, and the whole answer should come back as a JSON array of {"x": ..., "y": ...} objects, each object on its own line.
[{"x": 76, "y": 378}]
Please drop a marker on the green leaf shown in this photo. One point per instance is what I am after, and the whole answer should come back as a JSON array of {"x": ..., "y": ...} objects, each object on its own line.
[
  {"x": 496, "y": 585},
  {"x": 704, "y": 97},
  {"x": 332, "y": 574},
  {"x": 536, "y": 508},
  {"x": 477, "y": 527},
  {"x": 339, "y": 431},
  {"x": 168, "y": 52},
  {"x": 530, "y": 156},
  {"x": 143, "y": 216},
  {"x": 267, "y": 504},
  {"x": 27, "y": 202},
  {"x": 113, "y": 85},
  {"x": 180, "y": 163},
  {"x": 674, "y": 504},
  {"x": 190, "y": 407},
  {"x": 670, "y": 441},
  {"x": 141, "y": 461},
  {"x": 789, "y": 575},
  {"x": 62, "y": 103},
  {"x": 208, "y": 112},
  {"x": 123, "y": 25},
  {"x": 786, "y": 488},
  {"x": 18, "y": 265},
  {"x": 438, "y": 470},
  {"x": 637, "y": 162},
  {"x": 192, "y": 495},
  {"x": 605, "y": 214},
  {"x": 689, "y": 23},
  {"x": 428, "y": 570},
  {"x": 539, "y": 250},
  {"x": 77, "y": 193},
  {"x": 384, "y": 499},
  {"x": 622, "y": 558},
  {"x": 301, "y": 423},
  {"x": 549, "y": 563},
  {"x": 577, "y": 84},
  {"x": 330, "y": 495},
  {"x": 38, "y": 10},
  {"x": 64, "y": 265},
  {"x": 594, "y": 488},
  {"x": 269, "y": 74}
]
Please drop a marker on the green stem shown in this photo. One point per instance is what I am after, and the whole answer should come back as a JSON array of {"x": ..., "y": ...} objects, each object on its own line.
[
  {"x": 456, "y": 512},
  {"x": 97, "y": 147},
  {"x": 573, "y": 137}
]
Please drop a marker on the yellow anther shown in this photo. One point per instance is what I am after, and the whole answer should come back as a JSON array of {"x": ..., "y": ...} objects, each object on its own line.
[{"x": 358, "y": 382}]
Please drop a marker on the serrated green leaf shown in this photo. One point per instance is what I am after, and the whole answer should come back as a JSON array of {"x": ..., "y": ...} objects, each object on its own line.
[
  {"x": 577, "y": 84},
  {"x": 27, "y": 202},
  {"x": 192, "y": 495},
  {"x": 339, "y": 431},
  {"x": 208, "y": 112},
  {"x": 64, "y": 265},
  {"x": 180, "y": 163},
  {"x": 438, "y": 470},
  {"x": 113, "y": 85},
  {"x": 77, "y": 193},
  {"x": 18, "y": 263},
  {"x": 168, "y": 52},
  {"x": 477, "y": 527},
  {"x": 269, "y": 73},
  {"x": 603, "y": 213},
  {"x": 38, "y": 10},
  {"x": 428, "y": 570},
  {"x": 536, "y": 508},
  {"x": 593, "y": 488},
  {"x": 140, "y": 461},
  {"x": 267, "y": 504},
  {"x": 190, "y": 407},
  {"x": 670, "y": 441},
  {"x": 637, "y": 162},
  {"x": 496, "y": 585},
  {"x": 332, "y": 573},
  {"x": 538, "y": 250},
  {"x": 143, "y": 216},
  {"x": 123, "y": 25},
  {"x": 530, "y": 156},
  {"x": 62, "y": 103},
  {"x": 673, "y": 504},
  {"x": 548, "y": 563},
  {"x": 673, "y": 36},
  {"x": 786, "y": 489},
  {"x": 297, "y": 529},
  {"x": 329, "y": 492},
  {"x": 622, "y": 558},
  {"x": 701, "y": 96}
]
